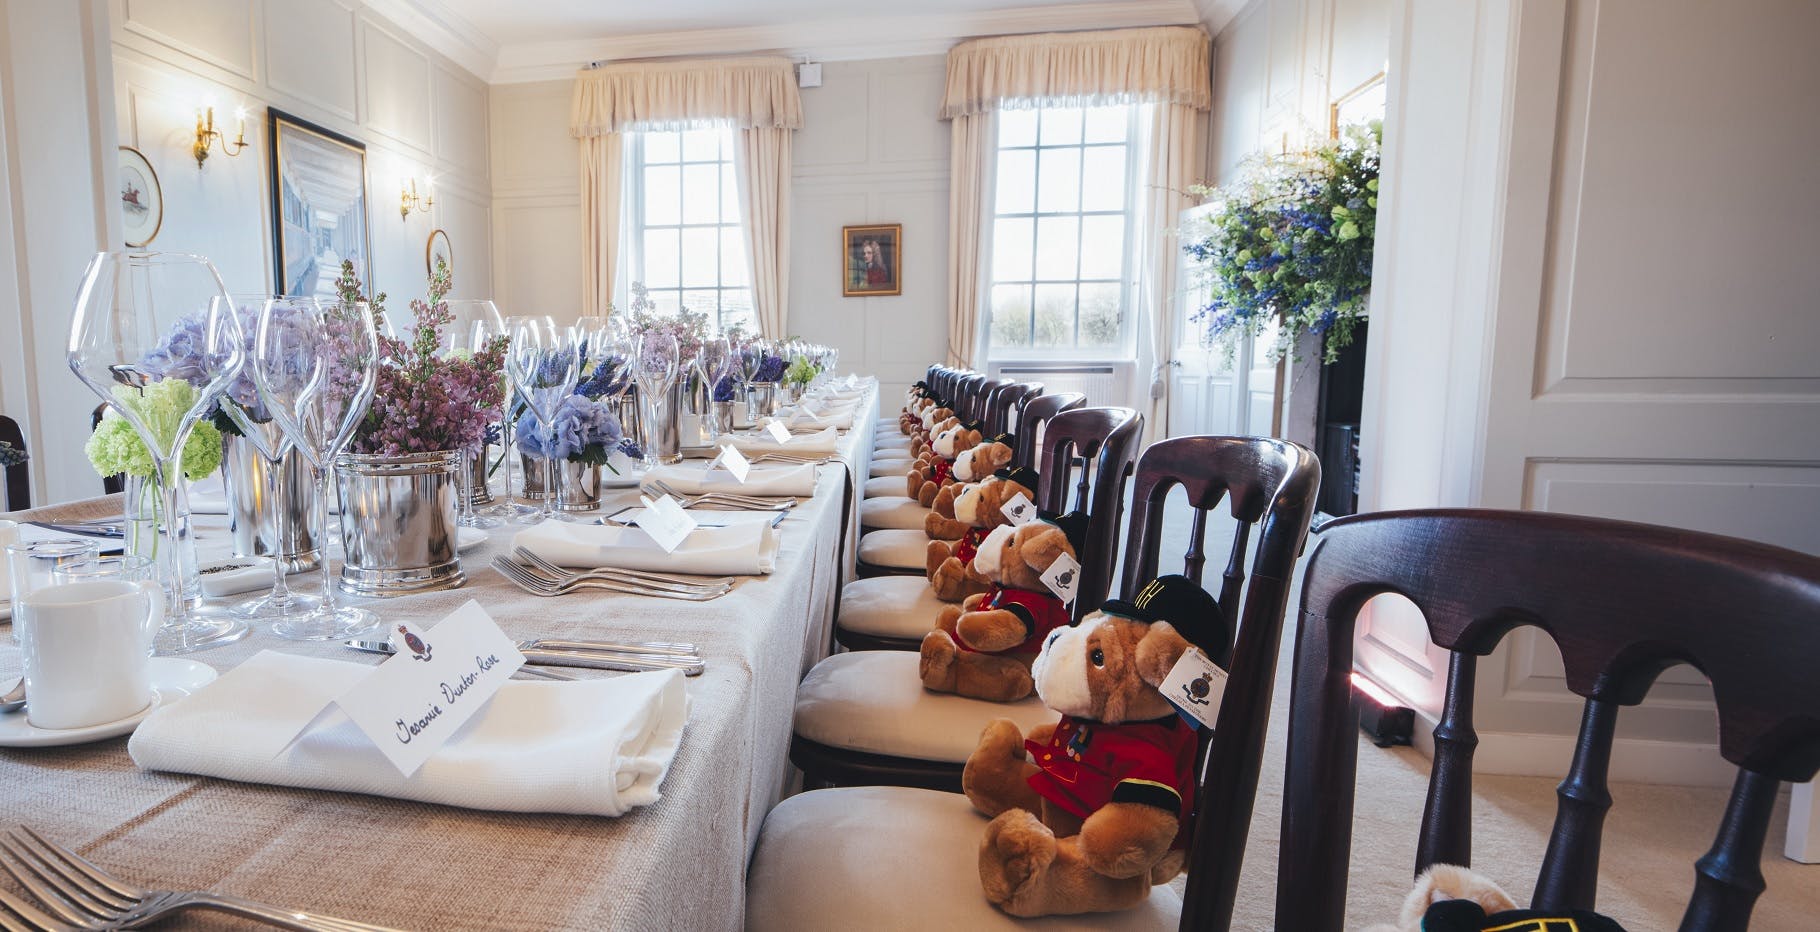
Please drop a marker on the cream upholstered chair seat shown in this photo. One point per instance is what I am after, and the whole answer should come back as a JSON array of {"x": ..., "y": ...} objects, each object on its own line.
[
  {"x": 895, "y": 549},
  {"x": 899, "y": 512},
  {"x": 890, "y": 466},
  {"x": 853, "y": 858},
  {"x": 889, "y": 607},
  {"x": 873, "y": 701},
  {"x": 886, "y": 487}
]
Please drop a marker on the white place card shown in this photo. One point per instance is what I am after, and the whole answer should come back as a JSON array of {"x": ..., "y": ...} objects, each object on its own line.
[
  {"x": 666, "y": 521},
  {"x": 1063, "y": 577},
  {"x": 413, "y": 703},
  {"x": 778, "y": 431},
  {"x": 1195, "y": 685},
  {"x": 1018, "y": 509},
  {"x": 733, "y": 461}
]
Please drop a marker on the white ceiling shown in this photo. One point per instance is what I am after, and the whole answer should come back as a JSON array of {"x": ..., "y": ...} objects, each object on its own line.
[{"x": 506, "y": 41}]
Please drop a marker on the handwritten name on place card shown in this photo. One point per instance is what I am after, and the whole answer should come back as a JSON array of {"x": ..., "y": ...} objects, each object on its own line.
[{"x": 412, "y": 704}]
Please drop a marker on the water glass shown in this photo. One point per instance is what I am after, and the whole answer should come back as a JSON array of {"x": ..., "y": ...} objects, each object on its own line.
[
  {"x": 33, "y": 565},
  {"x": 125, "y": 567}
]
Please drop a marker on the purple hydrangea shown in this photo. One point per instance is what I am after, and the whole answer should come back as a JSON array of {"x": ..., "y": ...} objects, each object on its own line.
[{"x": 586, "y": 431}]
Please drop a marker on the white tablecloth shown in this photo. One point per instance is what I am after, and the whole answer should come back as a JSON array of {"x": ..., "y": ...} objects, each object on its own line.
[{"x": 677, "y": 864}]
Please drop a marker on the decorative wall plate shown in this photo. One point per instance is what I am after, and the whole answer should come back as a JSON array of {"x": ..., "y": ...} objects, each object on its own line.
[
  {"x": 141, "y": 200},
  {"x": 438, "y": 248}
]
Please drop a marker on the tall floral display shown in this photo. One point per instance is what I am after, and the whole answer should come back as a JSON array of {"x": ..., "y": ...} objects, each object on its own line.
[{"x": 1290, "y": 244}]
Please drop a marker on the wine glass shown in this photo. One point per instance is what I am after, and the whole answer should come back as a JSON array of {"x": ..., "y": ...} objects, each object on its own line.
[
  {"x": 315, "y": 363},
  {"x": 242, "y": 405},
  {"x": 542, "y": 364},
  {"x": 714, "y": 363},
  {"x": 473, "y": 324},
  {"x": 143, "y": 319},
  {"x": 655, "y": 362},
  {"x": 514, "y": 412}
]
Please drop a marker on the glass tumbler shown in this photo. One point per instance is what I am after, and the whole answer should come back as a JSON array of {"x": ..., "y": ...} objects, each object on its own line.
[{"x": 33, "y": 564}]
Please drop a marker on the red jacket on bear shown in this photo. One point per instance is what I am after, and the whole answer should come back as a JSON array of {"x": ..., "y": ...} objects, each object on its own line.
[
  {"x": 1086, "y": 765},
  {"x": 1041, "y": 612}
]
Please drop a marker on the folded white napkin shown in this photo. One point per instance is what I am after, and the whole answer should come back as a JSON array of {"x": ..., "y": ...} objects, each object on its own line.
[
  {"x": 737, "y": 550},
  {"x": 833, "y": 416},
  {"x": 594, "y": 747},
  {"x": 820, "y": 443},
  {"x": 693, "y": 479}
]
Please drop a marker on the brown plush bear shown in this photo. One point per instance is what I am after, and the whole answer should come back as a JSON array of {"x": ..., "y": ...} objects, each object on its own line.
[
  {"x": 1441, "y": 883},
  {"x": 929, "y": 476},
  {"x": 1104, "y": 811},
  {"x": 972, "y": 465},
  {"x": 983, "y": 647},
  {"x": 935, "y": 420},
  {"x": 949, "y": 564}
]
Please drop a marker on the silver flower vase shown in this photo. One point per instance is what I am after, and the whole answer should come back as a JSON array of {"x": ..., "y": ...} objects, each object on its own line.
[
  {"x": 764, "y": 401},
  {"x": 398, "y": 530},
  {"x": 662, "y": 435},
  {"x": 577, "y": 484},
  {"x": 253, "y": 511}
]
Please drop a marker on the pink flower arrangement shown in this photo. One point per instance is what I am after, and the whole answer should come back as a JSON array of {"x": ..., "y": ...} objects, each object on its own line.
[{"x": 425, "y": 400}]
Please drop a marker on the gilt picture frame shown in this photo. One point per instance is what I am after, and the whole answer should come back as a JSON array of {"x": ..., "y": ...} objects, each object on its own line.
[
  {"x": 872, "y": 260},
  {"x": 319, "y": 206}
]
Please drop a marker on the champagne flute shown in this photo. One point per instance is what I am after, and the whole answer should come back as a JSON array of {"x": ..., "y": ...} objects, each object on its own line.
[
  {"x": 473, "y": 323},
  {"x": 714, "y": 363},
  {"x": 514, "y": 410},
  {"x": 242, "y": 405},
  {"x": 143, "y": 319},
  {"x": 315, "y": 363},
  {"x": 654, "y": 367},
  {"x": 542, "y": 364}
]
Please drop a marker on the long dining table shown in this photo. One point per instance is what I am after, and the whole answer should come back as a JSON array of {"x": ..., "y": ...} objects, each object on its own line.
[{"x": 677, "y": 863}]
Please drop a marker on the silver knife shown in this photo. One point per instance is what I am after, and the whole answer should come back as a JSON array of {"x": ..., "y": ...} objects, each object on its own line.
[{"x": 594, "y": 658}]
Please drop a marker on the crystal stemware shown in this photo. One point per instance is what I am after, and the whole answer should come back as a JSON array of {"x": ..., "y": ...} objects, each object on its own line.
[
  {"x": 714, "y": 363},
  {"x": 514, "y": 412},
  {"x": 315, "y": 364},
  {"x": 473, "y": 324},
  {"x": 655, "y": 364},
  {"x": 242, "y": 405},
  {"x": 144, "y": 319},
  {"x": 542, "y": 364}
]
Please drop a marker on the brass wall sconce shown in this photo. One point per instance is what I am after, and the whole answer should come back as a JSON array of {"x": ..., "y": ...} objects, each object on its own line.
[
  {"x": 207, "y": 134},
  {"x": 409, "y": 201}
]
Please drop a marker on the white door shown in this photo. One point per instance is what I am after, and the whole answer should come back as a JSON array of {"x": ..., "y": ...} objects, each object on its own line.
[{"x": 1214, "y": 390}]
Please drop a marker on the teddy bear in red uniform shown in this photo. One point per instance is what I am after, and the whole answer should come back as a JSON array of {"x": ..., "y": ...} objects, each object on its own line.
[
  {"x": 980, "y": 509},
  {"x": 983, "y": 647},
  {"x": 1104, "y": 811}
]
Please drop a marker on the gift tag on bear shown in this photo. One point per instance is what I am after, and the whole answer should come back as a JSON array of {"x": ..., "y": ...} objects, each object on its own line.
[
  {"x": 778, "y": 431},
  {"x": 1063, "y": 577},
  {"x": 1018, "y": 509},
  {"x": 1195, "y": 686},
  {"x": 666, "y": 522},
  {"x": 733, "y": 461}
]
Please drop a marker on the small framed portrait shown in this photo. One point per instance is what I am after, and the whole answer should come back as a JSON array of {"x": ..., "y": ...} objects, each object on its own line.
[
  {"x": 438, "y": 250},
  {"x": 874, "y": 260},
  {"x": 141, "y": 200}
]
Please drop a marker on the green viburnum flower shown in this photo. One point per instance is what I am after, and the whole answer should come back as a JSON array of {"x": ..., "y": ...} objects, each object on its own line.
[{"x": 115, "y": 447}]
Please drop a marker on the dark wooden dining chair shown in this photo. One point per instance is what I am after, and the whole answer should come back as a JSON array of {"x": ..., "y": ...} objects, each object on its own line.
[
  {"x": 1622, "y": 602},
  {"x": 1270, "y": 487},
  {"x": 1003, "y": 407},
  {"x": 18, "y": 478},
  {"x": 1088, "y": 454},
  {"x": 1035, "y": 416}
]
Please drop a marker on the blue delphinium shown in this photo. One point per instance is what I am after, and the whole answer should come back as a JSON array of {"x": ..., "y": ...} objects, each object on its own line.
[
  {"x": 586, "y": 432},
  {"x": 723, "y": 389},
  {"x": 770, "y": 369}
]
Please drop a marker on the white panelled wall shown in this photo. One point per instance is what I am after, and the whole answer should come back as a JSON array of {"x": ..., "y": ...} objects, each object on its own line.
[{"x": 1591, "y": 297}]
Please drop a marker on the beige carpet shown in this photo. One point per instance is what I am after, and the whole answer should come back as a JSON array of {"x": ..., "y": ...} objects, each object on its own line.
[{"x": 1653, "y": 834}]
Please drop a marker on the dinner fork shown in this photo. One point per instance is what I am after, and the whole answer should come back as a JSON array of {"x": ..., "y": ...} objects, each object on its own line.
[
  {"x": 539, "y": 585},
  {"x": 560, "y": 573},
  {"x": 79, "y": 895},
  {"x": 732, "y": 499}
]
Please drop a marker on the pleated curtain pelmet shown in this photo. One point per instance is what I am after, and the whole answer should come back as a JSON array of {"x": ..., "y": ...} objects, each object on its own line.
[
  {"x": 757, "y": 96},
  {"x": 1168, "y": 68}
]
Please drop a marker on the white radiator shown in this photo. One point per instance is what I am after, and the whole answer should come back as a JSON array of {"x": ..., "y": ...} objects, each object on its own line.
[{"x": 1102, "y": 383}]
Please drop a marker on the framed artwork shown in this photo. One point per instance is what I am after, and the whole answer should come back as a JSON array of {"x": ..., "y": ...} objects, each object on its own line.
[
  {"x": 141, "y": 199},
  {"x": 319, "y": 205},
  {"x": 872, "y": 260},
  {"x": 1362, "y": 104},
  {"x": 438, "y": 250}
]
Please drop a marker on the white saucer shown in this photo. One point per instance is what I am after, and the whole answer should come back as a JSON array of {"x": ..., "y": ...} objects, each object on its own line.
[
  {"x": 468, "y": 538},
  {"x": 172, "y": 679}
]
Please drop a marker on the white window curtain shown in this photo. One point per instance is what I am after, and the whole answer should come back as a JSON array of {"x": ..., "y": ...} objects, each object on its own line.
[
  {"x": 757, "y": 95},
  {"x": 1169, "y": 67}
]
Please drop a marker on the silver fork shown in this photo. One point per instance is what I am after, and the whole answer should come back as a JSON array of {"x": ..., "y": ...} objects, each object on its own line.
[
  {"x": 526, "y": 556},
  {"x": 83, "y": 896},
  {"x": 749, "y": 502},
  {"x": 539, "y": 585}
]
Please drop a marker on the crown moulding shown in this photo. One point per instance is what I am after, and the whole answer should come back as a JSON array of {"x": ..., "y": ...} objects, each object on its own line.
[{"x": 823, "y": 40}]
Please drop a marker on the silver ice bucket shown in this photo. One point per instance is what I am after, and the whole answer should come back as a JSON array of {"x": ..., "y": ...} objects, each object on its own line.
[{"x": 398, "y": 530}]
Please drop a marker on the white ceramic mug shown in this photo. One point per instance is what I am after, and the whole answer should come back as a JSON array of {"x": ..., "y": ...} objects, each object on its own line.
[{"x": 88, "y": 649}]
